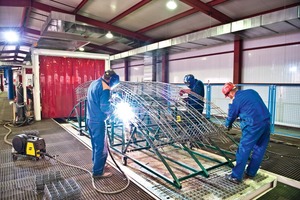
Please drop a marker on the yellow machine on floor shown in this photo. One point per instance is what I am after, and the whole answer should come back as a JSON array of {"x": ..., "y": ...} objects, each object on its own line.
[{"x": 28, "y": 145}]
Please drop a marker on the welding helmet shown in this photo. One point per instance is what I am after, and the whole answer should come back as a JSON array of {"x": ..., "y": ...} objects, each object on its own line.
[
  {"x": 189, "y": 80},
  {"x": 227, "y": 88},
  {"x": 113, "y": 78}
]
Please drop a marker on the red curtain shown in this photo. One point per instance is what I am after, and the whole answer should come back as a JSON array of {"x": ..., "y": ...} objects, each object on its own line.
[{"x": 59, "y": 77}]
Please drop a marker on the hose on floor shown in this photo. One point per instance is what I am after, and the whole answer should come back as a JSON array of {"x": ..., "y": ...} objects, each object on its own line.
[
  {"x": 7, "y": 125},
  {"x": 93, "y": 180}
]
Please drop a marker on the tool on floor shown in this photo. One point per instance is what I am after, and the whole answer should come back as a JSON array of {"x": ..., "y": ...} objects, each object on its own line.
[{"x": 28, "y": 145}]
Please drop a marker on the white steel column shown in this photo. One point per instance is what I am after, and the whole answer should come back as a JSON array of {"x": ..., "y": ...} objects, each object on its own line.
[{"x": 36, "y": 86}]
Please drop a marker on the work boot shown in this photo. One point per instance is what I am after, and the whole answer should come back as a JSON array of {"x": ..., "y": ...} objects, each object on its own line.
[
  {"x": 247, "y": 176},
  {"x": 232, "y": 179},
  {"x": 104, "y": 175}
]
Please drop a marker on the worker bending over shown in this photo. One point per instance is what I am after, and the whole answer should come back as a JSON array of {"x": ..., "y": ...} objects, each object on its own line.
[
  {"x": 255, "y": 126},
  {"x": 197, "y": 87}
]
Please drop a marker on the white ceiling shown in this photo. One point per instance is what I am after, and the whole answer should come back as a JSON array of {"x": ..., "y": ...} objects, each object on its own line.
[{"x": 134, "y": 23}]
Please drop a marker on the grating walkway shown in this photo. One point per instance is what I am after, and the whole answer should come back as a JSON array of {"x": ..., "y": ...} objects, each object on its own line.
[{"x": 18, "y": 179}]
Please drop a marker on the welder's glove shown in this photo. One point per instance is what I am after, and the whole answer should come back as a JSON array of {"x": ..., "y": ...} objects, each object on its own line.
[
  {"x": 184, "y": 91},
  {"x": 181, "y": 92},
  {"x": 228, "y": 128}
]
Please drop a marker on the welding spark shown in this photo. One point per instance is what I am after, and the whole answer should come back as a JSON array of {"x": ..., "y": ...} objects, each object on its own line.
[{"x": 124, "y": 112}]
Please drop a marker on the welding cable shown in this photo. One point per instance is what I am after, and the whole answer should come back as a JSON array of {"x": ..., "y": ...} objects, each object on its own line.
[
  {"x": 7, "y": 134},
  {"x": 75, "y": 166},
  {"x": 93, "y": 181}
]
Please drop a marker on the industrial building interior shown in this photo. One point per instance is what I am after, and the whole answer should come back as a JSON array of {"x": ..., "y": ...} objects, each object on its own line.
[{"x": 164, "y": 149}]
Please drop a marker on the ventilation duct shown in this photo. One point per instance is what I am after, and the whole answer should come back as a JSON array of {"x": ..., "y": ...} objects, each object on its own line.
[
  {"x": 63, "y": 26},
  {"x": 282, "y": 21}
]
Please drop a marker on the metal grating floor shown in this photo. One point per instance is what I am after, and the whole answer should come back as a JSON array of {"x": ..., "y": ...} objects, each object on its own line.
[
  {"x": 282, "y": 156},
  {"x": 17, "y": 179}
]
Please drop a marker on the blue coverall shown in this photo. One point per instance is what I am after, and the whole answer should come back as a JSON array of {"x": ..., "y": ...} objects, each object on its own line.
[
  {"x": 255, "y": 126},
  {"x": 198, "y": 87},
  {"x": 98, "y": 108}
]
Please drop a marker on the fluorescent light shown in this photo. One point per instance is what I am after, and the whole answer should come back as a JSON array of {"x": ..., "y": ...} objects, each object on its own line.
[
  {"x": 11, "y": 36},
  {"x": 109, "y": 35},
  {"x": 171, "y": 4}
]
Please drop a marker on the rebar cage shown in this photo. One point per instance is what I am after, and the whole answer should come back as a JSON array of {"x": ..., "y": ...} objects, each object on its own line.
[{"x": 159, "y": 124}]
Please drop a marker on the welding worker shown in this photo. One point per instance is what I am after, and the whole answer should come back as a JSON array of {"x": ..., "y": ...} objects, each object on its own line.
[
  {"x": 197, "y": 87},
  {"x": 98, "y": 110},
  {"x": 255, "y": 125}
]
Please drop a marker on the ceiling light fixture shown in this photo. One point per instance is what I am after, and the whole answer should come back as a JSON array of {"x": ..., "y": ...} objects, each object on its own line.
[
  {"x": 11, "y": 36},
  {"x": 171, "y": 4},
  {"x": 109, "y": 35},
  {"x": 81, "y": 49}
]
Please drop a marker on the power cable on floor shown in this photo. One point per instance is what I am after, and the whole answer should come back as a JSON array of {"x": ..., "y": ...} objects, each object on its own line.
[{"x": 6, "y": 126}]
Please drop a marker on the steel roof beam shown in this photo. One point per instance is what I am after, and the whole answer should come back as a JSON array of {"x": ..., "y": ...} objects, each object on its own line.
[
  {"x": 216, "y": 2},
  {"x": 203, "y": 7},
  {"x": 6, "y": 57},
  {"x": 169, "y": 20},
  {"x": 82, "y": 3},
  {"x": 98, "y": 47},
  {"x": 128, "y": 11},
  {"x": 13, "y": 51}
]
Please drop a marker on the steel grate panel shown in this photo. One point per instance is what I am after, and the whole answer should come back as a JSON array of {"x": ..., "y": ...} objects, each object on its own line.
[
  {"x": 23, "y": 188},
  {"x": 213, "y": 187},
  {"x": 282, "y": 153},
  {"x": 22, "y": 173},
  {"x": 54, "y": 135}
]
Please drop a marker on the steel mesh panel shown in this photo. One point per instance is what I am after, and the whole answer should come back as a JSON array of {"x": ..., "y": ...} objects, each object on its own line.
[{"x": 18, "y": 179}]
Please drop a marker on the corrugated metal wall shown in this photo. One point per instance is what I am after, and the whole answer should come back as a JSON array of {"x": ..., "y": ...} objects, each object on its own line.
[
  {"x": 272, "y": 60},
  {"x": 276, "y": 64},
  {"x": 59, "y": 76}
]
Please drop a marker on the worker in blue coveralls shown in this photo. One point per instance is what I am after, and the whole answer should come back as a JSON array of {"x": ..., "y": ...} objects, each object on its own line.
[
  {"x": 255, "y": 125},
  {"x": 98, "y": 110},
  {"x": 197, "y": 87}
]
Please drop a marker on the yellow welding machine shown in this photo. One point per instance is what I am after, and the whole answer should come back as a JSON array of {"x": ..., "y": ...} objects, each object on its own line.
[{"x": 29, "y": 145}]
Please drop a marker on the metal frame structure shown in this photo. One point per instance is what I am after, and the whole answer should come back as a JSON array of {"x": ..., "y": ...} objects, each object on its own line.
[{"x": 161, "y": 122}]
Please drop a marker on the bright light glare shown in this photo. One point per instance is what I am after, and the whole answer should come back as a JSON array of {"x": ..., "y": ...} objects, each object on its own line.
[
  {"x": 124, "y": 112},
  {"x": 293, "y": 69},
  {"x": 171, "y": 4},
  {"x": 109, "y": 35},
  {"x": 11, "y": 36}
]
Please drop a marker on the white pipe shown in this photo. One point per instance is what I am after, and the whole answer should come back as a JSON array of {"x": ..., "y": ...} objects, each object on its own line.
[
  {"x": 23, "y": 70},
  {"x": 71, "y": 54},
  {"x": 36, "y": 87},
  {"x": 107, "y": 65}
]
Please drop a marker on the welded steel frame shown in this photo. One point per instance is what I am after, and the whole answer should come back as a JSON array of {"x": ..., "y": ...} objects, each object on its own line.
[
  {"x": 160, "y": 122},
  {"x": 123, "y": 147},
  {"x": 148, "y": 124}
]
